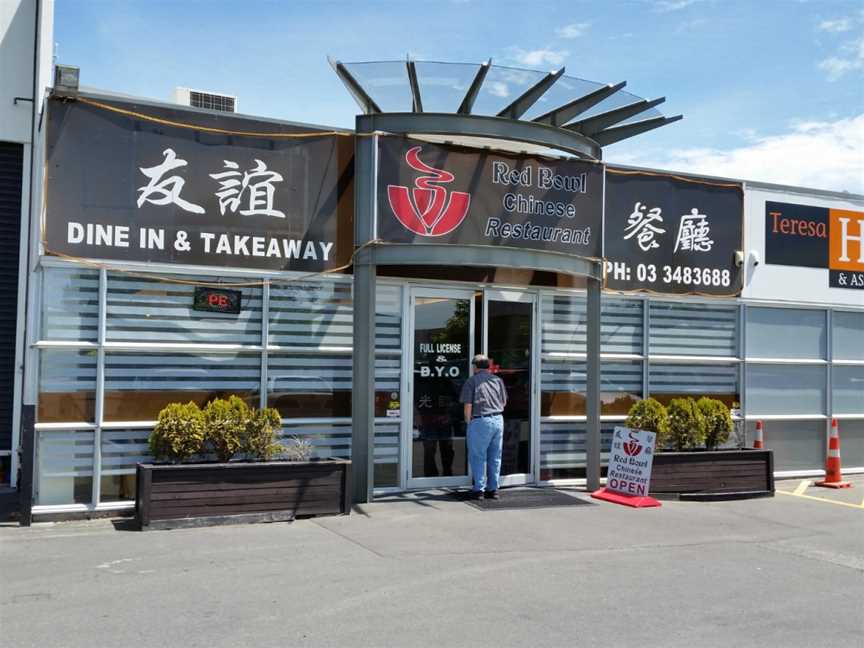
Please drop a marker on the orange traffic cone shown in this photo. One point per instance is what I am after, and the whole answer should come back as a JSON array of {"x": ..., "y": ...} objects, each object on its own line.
[
  {"x": 759, "y": 442},
  {"x": 833, "y": 476}
]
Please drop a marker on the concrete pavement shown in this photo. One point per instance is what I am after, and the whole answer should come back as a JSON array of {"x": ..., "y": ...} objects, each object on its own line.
[{"x": 429, "y": 571}]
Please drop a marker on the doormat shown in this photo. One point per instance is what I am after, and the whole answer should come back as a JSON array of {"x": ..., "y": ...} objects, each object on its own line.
[{"x": 523, "y": 498}]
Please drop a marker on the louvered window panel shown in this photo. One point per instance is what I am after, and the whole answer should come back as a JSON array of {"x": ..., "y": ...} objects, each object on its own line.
[
  {"x": 311, "y": 315},
  {"x": 153, "y": 310},
  {"x": 64, "y": 460},
  {"x": 121, "y": 451},
  {"x": 387, "y": 454},
  {"x": 562, "y": 449},
  {"x": 563, "y": 386},
  {"x": 67, "y": 386},
  {"x": 139, "y": 385},
  {"x": 680, "y": 380},
  {"x": 679, "y": 328},
  {"x": 70, "y": 305},
  {"x": 565, "y": 329}
]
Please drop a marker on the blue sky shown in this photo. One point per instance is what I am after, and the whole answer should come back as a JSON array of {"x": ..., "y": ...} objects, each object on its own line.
[{"x": 770, "y": 90}]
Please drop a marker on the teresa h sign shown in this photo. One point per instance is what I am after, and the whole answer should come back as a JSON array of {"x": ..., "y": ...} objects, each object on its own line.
[{"x": 429, "y": 193}]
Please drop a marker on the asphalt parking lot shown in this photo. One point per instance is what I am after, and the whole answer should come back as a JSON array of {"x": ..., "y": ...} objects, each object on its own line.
[{"x": 425, "y": 570}]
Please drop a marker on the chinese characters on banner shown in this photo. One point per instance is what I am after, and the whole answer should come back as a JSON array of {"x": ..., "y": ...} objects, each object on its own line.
[
  {"x": 134, "y": 190},
  {"x": 669, "y": 234}
]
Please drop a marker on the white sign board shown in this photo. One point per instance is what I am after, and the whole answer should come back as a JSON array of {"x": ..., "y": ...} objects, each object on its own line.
[{"x": 630, "y": 460}]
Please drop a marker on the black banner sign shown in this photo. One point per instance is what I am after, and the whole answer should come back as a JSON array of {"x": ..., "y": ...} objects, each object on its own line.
[
  {"x": 670, "y": 234},
  {"x": 796, "y": 235},
  {"x": 156, "y": 184},
  {"x": 429, "y": 193}
]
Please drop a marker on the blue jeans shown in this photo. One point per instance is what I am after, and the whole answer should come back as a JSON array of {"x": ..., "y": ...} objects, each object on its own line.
[{"x": 484, "y": 451}]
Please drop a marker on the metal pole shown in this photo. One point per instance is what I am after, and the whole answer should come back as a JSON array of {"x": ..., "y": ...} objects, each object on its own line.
[
  {"x": 363, "y": 371},
  {"x": 592, "y": 432}
]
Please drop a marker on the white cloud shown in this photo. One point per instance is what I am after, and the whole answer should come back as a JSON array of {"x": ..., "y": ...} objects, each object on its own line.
[
  {"x": 838, "y": 25},
  {"x": 673, "y": 5},
  {"x": 498, "y": 89},
  {"x": 536, "y": 58},
  {"x": 820, "y": 155},
  {"x": 574, "y": 30},
  {"x": 850, "y": 58}
]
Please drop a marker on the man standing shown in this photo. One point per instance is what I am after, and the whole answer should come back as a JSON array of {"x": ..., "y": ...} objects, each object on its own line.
[{"x": 484, "y": 397}]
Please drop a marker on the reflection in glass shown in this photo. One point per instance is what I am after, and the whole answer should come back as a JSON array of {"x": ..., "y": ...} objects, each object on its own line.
[
  {"x": 441, "y": 361},
  {"x": 65, "y": 466},
  {"x": 720, "y": 381},
  {"x": 67, "y": 386},
  {"x": 797, "y": 445},
  {"x": 139, "y": 385},
  {"x": 785, "y": 389},
  {"x": 121, "y": 451},
  {"x": 509, "y": 348},
  {"x": 562, "y": 449},
  {"x": 785, "y": 333},
  {"x": 848, "y": 389},
  {"x": 70, "y": 304},
  {"x": 846, "y": 339},
  {"x": 158, "y": 310},
  {"x": 564, "y": 387}
]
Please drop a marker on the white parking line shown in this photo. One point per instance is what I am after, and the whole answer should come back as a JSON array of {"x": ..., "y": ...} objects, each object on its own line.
[{"x": 802, "y": 487}]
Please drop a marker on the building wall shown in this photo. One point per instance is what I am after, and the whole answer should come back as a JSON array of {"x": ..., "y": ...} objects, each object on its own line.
[
  {"x": 26, "y": 53},
  {"x": 17, "y": 42},
  {"x": 114, "y": 347}
]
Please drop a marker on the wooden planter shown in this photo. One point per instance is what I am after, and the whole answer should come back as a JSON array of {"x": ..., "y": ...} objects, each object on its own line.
[
  {"x": 182, "y": 495},
  {"x": 717, "y": 474}
]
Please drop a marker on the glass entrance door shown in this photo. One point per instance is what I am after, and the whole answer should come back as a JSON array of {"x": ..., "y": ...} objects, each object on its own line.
[
  {"x": 508, "y": 325},
  {"x": 441, "y": 350}
]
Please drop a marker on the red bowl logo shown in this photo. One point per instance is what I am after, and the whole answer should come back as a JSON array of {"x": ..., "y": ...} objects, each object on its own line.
[{"x": 427, "y": 210}]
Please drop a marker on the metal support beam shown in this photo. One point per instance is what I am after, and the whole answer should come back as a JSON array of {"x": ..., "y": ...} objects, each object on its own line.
[
  {"x": 597, "y": 123},
  {"x": 416, "y": 101},
  {"x": 592, "y": 431},
  {"x": 363, "y": 365},
  {"x": 618, "y": 133},
  {"x": 568, "y": 111},
  {"x": 481, "y": 126},
  {"x": 470, "y": 96},
  {"x": 366, "y": 103},
  {"x": 528, "y": 98}
]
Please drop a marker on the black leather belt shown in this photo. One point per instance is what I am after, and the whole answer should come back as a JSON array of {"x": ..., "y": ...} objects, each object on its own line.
[{"x": 486, "y": 415}]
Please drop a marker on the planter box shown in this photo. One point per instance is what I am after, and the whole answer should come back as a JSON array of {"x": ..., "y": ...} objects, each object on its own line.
[
  {"x": 182, "y": 495},
  {"x": 716, "y": 474}
]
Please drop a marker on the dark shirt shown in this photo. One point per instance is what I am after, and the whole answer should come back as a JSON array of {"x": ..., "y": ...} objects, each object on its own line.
[{"x": 486, "y": 393}]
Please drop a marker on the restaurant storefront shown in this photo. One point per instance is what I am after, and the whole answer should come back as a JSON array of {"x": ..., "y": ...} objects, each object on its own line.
[{"x": 346, "y": 279}]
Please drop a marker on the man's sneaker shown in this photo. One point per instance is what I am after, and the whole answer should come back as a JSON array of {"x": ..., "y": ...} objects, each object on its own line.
[
  {"x": 492, "y": 495},
  {"x": 475, "y": 495}
]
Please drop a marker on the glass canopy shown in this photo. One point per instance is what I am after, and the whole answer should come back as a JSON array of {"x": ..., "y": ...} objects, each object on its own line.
[{"x": 597, "y": 110}]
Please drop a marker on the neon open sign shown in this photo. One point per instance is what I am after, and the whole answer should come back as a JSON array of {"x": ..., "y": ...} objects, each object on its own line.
[{"x": 217, "y": 300}]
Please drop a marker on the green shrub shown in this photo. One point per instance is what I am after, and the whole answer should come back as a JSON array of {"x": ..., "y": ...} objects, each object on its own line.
[
  {"x": 226, "y": 423},
  {"x": 259, "y": 438},
  {"x": 650, "y": 415},
  {"x": 718, "y": 421},
  {"x": 686, "y": 424},
  {"x": 179, "y": 432}
]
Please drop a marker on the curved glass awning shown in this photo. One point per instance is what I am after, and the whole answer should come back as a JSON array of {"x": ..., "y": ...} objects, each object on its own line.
[{"x": 603, "y": 112}]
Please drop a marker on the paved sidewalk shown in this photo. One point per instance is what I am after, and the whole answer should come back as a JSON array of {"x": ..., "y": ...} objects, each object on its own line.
[{"x": 429, "y": 571}]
